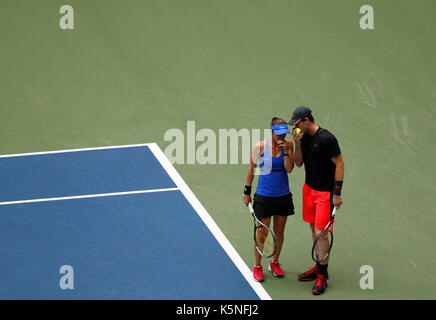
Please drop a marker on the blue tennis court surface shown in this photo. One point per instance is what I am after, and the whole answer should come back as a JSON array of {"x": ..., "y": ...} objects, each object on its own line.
[{"x": 122, "y": 224}]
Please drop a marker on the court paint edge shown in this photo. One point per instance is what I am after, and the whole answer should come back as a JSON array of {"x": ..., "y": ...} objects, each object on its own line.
[
  {"x": 207, "y": 219},
  {"x": 97, "y": 195},
  {"x": 74, "y": 150}
]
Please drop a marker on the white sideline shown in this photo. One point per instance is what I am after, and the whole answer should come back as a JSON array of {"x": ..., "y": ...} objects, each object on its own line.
[{"x": 210, "y": 223}]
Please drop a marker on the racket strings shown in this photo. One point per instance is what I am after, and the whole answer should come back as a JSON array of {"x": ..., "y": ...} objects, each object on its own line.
[
  {"x": 265, "y": 241},
  {"x": 322, "y": 246}
]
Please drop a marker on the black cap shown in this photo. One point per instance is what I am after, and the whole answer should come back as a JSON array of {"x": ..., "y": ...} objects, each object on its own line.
[{"x": 298, "y": 114}]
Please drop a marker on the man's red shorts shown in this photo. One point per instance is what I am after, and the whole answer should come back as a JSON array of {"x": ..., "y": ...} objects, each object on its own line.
[{"x": 317, "y": 206}]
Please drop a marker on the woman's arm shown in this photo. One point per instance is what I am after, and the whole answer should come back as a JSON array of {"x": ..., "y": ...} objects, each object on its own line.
[{"x": 255, "y": 155}]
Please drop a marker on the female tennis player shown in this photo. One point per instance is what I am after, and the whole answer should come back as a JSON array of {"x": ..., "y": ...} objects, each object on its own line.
[{"x": 273, "y": 197}]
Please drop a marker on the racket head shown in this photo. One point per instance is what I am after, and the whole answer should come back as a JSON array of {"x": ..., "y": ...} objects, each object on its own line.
[
  {"x": 264, "y": 237},
  {"x": 264, "y": 240},
  {"x": 321, "y": 248},
  {"x": 322, "y": 245}
]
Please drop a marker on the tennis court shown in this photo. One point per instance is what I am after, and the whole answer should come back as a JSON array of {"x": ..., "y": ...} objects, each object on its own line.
[
  {"x": 130, "y": 71},
  {"x": 125, "y": 227}
]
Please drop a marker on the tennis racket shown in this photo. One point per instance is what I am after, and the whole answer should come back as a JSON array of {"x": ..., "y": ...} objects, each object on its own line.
[
  {"x": 321, "y": 248},
  {"x": 264, "y": 237}
]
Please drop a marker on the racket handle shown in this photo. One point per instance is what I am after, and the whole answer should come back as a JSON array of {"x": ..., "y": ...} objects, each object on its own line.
[
  {"x": 334, "y": 212},
  {"x": 250, "y": 206}
]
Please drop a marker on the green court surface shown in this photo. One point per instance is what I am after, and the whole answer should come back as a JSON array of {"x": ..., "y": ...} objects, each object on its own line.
[{"x": 131, "y": 70}]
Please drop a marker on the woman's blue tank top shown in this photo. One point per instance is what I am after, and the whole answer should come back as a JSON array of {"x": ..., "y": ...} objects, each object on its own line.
[{"x": 273, "y": 178}]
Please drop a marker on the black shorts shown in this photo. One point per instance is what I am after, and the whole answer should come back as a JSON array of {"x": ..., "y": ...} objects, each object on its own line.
[{"x": 265, "y": 207}]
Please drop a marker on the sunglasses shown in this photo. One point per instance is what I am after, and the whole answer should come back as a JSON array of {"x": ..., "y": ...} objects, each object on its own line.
[{"x": 298, "y": 122}]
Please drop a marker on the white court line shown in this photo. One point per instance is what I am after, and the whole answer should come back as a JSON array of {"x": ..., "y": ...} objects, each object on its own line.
[
  {"x": 73, "y": 150},
  {"x": 80, "y": 196},
  {"x": 87, "y": 196},
  {"x": 186, "y": 191},
  {"x": 210, "y": 223}
]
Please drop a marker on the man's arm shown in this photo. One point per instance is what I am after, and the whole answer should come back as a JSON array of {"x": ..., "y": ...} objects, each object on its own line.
[
  {"x": 298, "y": 154},
  {"x": 339, "y": 163},
  {"x": 339, "y": 177}
]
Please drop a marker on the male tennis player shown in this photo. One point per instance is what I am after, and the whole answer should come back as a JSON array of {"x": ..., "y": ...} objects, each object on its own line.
[
  {"x": 319, "y": 150},
  {"x": 273, "y": 197}
]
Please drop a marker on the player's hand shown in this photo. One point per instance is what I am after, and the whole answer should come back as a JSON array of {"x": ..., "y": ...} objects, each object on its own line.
[
  {"x": 295, "y": 136},
  {"x": 337, "y": 201},
  {"x": 247, "y": 199},
  {"x": 282, "y": 144}
]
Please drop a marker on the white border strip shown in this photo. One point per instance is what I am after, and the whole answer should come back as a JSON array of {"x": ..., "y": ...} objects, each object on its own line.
[
  {"x": 87, "y": 196},
  {"x": 210, "y": 223}
]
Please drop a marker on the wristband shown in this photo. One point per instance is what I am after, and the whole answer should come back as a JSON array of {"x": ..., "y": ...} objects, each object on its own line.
[
  {"x": 247, "y": 190},
  {"x": 338, "y": 187}
]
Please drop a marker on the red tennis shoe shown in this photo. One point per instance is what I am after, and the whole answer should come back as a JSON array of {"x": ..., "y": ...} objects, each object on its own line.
[
  {"x": 258, "y": 273},
  {"x": 275, "y": 268},
  {"x": 310, "y": 274},
  {"x": 320, "y": 285}
]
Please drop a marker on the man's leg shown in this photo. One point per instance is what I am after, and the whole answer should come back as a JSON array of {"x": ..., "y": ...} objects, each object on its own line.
[{"x": 323, "y": 212}]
